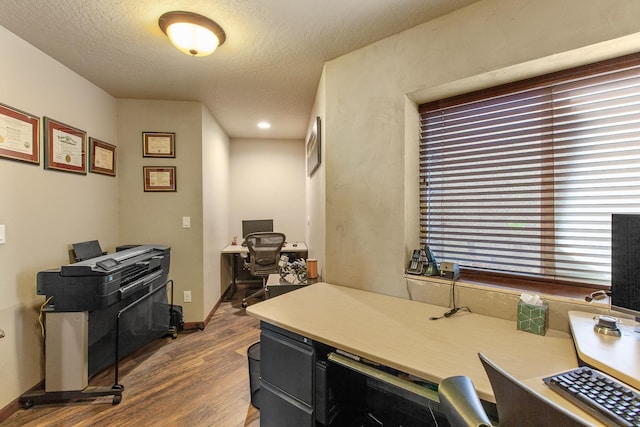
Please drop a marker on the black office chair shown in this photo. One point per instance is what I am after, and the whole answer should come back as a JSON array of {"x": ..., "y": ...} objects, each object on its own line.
[
  {"x": 264, "y": 256},
  {"x": 517, "y": 404}
]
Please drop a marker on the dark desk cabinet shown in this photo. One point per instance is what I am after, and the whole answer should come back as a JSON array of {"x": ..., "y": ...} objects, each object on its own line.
[
  {"x": 287, "y": 367},
  {"x": 304, "y": 384}
]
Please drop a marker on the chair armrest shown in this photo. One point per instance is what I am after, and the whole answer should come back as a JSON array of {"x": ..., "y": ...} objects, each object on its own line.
[{"x": 460, "y": 403}]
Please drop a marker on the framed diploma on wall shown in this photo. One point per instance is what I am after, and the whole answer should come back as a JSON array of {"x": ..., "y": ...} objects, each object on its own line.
[
  {"x": 103, "y": 157},
  {"x": 65, "y": 147},
  {"x": 158, "y": 144},
  {"x": 159, "y": 178},
  {"x": 19, "y": 135}
]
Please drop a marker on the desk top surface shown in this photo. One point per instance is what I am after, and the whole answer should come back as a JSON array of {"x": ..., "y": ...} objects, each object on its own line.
[
  {"x": 397, "y": 332},
  {"x": 288, "y": 247},
  {"x": 616, "y": 356}
]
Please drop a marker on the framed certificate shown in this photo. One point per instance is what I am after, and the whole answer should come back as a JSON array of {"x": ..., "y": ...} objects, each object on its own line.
[
  {"x": 65, "y": 147},
  {"x": 158, "y": 144},
  {"x": 103, "y": 157},
  {"x": 159, "y": 178},
  {"x": 19, "y": 135}
]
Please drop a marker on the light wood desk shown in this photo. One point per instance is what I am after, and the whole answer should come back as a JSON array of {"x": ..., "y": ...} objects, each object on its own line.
[
  {"x": 398, "y": 333},
  {"x": 230, "y": 254},
  {"x": 616, "y": 356}
]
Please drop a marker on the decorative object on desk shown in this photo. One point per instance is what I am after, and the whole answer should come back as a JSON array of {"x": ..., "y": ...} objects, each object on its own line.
[
  {"x": 314, "y": 155},
  {"x": 532, "y": 314},
  {"x": 607, "y": 325},
  {"x": 103, "y": 157},
  {"x": 297, "y": 268},
  {"x": 65, "y": 147},
  {"x": 158, "y": 144},
  {"x": 19, "y": 135},
  {"x": 160, "y": 178},
  {"x": 312, "y": 268}
]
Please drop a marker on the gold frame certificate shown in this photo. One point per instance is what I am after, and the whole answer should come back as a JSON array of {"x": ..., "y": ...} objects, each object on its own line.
[{"x": 65, "y": 147}]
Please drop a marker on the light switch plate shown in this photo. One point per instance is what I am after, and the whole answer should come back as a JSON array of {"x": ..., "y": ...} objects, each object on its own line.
[
  {"x": 2, "y": 235},
  {"x": 186, "y": 222}
]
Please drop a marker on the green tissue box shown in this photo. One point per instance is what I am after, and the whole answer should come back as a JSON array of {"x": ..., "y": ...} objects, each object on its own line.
[{"x": 533, "y": 318}]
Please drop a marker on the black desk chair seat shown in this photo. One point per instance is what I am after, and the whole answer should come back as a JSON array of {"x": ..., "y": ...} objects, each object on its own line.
[
  {"x": 517, "y": 404},
  {"x": 264, "y": 256}
]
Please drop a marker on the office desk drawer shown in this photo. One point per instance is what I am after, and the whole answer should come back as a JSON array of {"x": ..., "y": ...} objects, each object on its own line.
[
  {"x": 288, "y": 365},
  {"x": 277, "y": 409}
]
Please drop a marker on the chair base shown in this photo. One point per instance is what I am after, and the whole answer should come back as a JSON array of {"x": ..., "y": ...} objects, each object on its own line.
[
  {"x": 259, "y": 293},
  {"x": 262, "y": 292}
]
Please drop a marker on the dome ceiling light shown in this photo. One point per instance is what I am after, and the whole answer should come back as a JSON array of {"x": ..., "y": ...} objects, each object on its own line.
[{"x": 193, "y": 34}]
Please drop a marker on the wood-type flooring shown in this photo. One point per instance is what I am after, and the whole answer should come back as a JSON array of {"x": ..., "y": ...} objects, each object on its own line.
[{"x": 199, "y": 379}]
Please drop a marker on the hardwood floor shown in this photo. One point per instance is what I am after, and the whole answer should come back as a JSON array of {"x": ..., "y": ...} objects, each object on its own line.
[{"x": 199, "y": 379}]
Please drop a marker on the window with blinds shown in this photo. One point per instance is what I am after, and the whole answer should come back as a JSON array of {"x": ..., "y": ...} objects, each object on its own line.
[{"x": 524, "y": 178}]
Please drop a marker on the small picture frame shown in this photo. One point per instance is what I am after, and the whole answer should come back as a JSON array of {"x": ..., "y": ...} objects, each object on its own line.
[
  {"x": 65, "y": 147},
  {"x": 159, "y": 144},
  {"x": 159, "y": 178},
  {"x": 313, "y": 148},
  {"x": 19, "y": 135},
  {"x": 103, "y": 157}
]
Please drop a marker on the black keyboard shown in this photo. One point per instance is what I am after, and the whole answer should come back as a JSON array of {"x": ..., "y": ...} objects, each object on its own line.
[{"x": 606, "y": 399}]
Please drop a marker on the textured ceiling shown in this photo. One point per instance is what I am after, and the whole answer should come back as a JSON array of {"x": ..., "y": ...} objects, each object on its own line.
[{"x": 268, "y": 68}]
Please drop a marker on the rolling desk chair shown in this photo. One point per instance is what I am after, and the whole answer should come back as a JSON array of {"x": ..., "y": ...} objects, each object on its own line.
[
  {"x": 264, "y": 256},
  {"x": 517, "y": 404}
]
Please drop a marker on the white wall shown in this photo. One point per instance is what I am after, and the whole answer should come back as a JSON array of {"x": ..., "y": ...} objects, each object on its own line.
[
  {"x": 156, "y": 217},
  {"x": 215, "y": 206},
  {"x": 367, "y": 133},
  {"x": 267, "y": 179},
  {"x": 316, "y": 186},
  {"x": 44, "y": 211}
]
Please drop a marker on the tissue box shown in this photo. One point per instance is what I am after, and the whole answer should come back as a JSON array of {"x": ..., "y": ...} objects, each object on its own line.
[{"x": 533, "y": 318}]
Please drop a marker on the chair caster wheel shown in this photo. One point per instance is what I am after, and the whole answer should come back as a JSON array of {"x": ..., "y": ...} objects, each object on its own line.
[
  {"x": 26, "y": 404},
  {"x": 244, "y": 304}
]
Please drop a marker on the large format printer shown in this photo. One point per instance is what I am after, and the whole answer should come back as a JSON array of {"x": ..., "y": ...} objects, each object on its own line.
[{"x": 105, "y": 308}]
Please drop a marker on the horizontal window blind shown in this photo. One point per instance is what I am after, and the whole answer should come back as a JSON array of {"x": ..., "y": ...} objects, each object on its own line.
[{"x": 524, "y": 178}]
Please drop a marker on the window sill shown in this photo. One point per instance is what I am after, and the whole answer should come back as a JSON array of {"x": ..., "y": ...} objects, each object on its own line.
[{"x": 555, "y": 292}]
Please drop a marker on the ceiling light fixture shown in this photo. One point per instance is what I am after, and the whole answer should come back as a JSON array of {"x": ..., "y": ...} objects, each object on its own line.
[
  {"x": 191, "y": 33},
  {"x": 264, "y": 125}
]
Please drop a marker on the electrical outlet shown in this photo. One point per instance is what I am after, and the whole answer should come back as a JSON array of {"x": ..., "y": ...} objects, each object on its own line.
[{"x": 187, "y": 296}]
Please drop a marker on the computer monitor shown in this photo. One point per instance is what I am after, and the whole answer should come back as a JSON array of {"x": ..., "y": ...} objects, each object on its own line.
[
  {"x": 625, "y": 264},
  {"x": 256, "y": 226}
]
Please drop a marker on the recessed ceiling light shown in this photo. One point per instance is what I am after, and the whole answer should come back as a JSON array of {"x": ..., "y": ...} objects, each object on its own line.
[{"x": 264, "y": 125}]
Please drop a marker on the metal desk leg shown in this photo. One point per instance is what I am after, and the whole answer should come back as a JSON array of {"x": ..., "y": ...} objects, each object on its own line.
[{"x": 233, "y": 286}]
